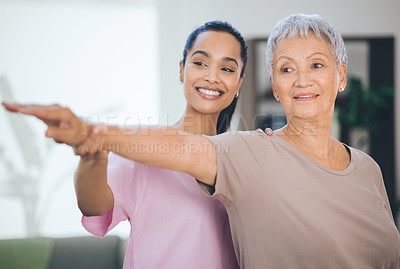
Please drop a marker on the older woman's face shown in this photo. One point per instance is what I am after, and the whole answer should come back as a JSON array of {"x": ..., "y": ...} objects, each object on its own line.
[{"x": 306, "y": 77}]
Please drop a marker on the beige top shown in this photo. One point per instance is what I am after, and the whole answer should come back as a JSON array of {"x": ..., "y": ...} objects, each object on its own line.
[{"x": 287, "y": 210}]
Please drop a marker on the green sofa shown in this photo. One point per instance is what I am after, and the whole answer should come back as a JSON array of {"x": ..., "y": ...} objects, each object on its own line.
[{"x": 62, "y": 253}]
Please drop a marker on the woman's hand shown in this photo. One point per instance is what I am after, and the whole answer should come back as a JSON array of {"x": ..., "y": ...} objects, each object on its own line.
[
  {"x": 65, "y": 127},
  {"x": 269, "y": 131},
  {"x": 94, "y": 195},
  {"x": 93, "y": 147},
  {"x": 62, "y": 125}
]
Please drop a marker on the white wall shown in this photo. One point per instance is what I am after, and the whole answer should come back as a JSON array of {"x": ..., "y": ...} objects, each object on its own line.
[{"x": 98, "y": 58}]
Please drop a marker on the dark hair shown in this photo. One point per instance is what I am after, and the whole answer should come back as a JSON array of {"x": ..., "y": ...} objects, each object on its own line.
[{"x": 225, "y": 116}]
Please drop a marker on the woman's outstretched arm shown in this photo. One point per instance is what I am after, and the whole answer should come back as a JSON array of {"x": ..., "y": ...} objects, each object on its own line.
[{"x": 164, "y": 147}]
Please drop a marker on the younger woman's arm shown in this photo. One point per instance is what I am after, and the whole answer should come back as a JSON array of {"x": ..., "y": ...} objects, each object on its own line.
[{"x": 93, "y": 194}]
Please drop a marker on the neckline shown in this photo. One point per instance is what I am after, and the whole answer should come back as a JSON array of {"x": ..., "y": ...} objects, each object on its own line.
[{"x": 346, "y": 171}]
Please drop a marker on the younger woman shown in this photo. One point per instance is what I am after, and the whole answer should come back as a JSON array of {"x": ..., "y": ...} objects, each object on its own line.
[{"x": 173, "y": 224}]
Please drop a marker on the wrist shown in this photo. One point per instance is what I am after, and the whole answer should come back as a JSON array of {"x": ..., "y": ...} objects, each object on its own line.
[
  {"x": 95, "y": 159},
  {"x": 105, "y": 137}
]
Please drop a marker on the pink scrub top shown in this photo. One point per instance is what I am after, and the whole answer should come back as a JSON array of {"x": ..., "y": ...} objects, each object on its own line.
[{"x": 173, "y": 224}]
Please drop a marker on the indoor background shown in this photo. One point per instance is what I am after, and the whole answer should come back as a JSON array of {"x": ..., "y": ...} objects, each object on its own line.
[{"x": 117, "y": 62}]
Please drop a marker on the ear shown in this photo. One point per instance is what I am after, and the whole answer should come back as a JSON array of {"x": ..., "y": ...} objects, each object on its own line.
[
  {"x": 181, "y": 67},
  {"x": 343, "y": 75},
  {"x": 240, "y": 83},
  {"x": 274, "y": 91}
]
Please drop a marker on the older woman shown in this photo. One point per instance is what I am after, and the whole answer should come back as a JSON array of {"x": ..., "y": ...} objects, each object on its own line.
[
  {"x": 297, "y": 199},
  {"x": 302, "y": 199}
]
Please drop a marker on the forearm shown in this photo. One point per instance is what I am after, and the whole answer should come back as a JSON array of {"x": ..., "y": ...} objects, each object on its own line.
[
  {"x": 165, "y": 147},
  {"x": 93, "y": 194}
]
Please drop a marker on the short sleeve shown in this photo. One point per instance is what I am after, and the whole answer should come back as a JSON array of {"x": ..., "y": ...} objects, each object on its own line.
[
  {"x": 128, "y": 181},
  {"x": 380, "y": 185},
  {"x": 240, "y": 157},
  {"x": 373, "y": 171}
]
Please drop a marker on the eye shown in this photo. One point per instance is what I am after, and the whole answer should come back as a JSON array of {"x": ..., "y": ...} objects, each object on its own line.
[
  {"x": 286, "y": 70},
  {"x": 317, "y": 65},
  {"x": 226, "y": 69},
  {"x": 199, "y": 63}
]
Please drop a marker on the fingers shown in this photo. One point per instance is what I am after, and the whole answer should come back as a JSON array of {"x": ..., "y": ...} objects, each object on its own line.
[
  {"x": 50, "y": 114},
  {"x": 15, "y": 107},
  {"x": 10, "y": 107},
  {"x": 72, "y": 132},
  {"x": 63, "y": 125},
  {"x": 93, "y": 146},
  {"x": 101, "y": 155},
  {"x": 100, "y": 129},
  {"x": 269, "y": 131},
  {"x": 53, "y": 114},
  {"x": 90, "y": 150}
]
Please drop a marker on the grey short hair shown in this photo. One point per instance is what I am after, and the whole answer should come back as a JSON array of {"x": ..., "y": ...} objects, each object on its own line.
[{"x": 301, "y": 24}]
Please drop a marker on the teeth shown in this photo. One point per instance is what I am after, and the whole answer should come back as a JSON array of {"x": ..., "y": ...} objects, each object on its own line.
[
  {"x": 305, "y": 96},
  {"x": 208, "y": 92}
]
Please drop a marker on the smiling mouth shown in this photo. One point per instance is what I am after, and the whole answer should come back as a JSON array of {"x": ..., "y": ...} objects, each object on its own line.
[
  {"x": 209, "y": 92},
  {"x": 308, "y": 96}
]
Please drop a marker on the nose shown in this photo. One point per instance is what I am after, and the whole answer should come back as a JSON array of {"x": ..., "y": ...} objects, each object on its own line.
[
  {"x": 211, "y": 75},
  {"x": 303, "y": 78}
]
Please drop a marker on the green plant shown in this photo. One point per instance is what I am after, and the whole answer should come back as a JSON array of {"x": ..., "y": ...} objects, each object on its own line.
[{"x": 364, "y": 105}]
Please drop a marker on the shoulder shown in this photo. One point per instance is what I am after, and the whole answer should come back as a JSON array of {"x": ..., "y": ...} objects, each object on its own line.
[
  {"x": 363, "y": 159},
  {"x": 366, "y": 165},
  {"x": 255, "y": 135},
  {"x": 241, "y": 146}
]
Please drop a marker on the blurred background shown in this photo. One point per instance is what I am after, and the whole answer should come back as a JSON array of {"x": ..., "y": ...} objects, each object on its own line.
[{"x": 117, "y": 61}]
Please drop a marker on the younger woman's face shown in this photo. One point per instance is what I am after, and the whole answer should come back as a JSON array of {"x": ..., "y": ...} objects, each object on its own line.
[{"x": 211, "y": 73}]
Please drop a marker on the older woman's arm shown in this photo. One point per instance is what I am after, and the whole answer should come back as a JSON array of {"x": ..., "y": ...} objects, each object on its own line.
[{"x": 164, "y": 147}]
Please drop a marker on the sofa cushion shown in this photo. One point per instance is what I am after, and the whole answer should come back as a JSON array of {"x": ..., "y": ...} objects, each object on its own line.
[
  {"x": 25, "y": 253},
  {"x": 86, "y": 253}
]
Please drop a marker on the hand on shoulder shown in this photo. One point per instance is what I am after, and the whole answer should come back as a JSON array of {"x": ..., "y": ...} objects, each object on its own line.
[{"x": 269, "y": 131}]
